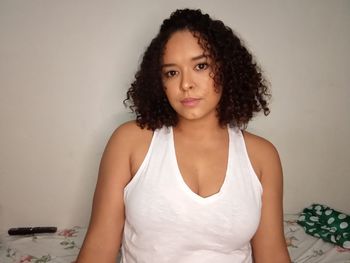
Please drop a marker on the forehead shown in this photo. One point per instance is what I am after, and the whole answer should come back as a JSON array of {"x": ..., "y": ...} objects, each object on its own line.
[{"x": 182, "y": 44}]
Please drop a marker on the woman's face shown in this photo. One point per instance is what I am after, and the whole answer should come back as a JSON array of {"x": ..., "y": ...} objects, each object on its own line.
[{"x": 187, "y": 77}]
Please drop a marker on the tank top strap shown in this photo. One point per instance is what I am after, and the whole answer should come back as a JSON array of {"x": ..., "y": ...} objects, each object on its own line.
[
  {"x": 159, "y": 140},
  {"x": 240, "y": 159}
]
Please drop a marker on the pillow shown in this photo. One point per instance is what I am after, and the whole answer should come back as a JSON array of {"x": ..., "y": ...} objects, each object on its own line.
[{"x": 326, "y": 223}]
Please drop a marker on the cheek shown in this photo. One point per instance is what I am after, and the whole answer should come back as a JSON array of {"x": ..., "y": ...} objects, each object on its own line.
[
  {"x": 216, "y": 96},
  {"x": 211, "y": 90},
  {"x": 169, "y": 95},
  {"x": 170, "y": 91}
]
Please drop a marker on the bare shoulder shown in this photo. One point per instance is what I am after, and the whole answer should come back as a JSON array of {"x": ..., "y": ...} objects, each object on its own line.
[
  {"x": 259, "y": 144},
  {"x": 130, "y": 129},
  {"x": 262, "y": 153},
  {"x": 133, "y": 141},
  {"x": 129, "y": 135}
]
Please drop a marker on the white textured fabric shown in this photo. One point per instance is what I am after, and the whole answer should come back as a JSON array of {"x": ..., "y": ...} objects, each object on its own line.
[{"x": 167, "y": 222}]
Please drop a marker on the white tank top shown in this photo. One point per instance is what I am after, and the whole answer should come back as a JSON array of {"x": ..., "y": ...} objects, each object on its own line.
[{"x": 165, "y": 221}]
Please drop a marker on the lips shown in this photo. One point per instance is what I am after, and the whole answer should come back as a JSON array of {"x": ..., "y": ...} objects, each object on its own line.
[{"x": 190, "y": 102}]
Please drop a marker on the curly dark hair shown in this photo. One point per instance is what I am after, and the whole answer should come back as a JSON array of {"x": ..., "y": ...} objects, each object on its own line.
[{"x": 244, "y": 89}]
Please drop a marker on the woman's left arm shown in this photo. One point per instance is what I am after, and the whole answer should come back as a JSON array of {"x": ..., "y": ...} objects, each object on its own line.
[{"x": 268, "y": 243}]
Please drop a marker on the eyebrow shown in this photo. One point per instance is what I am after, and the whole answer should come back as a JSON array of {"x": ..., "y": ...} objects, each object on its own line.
[{"x": 193, "y": 59}]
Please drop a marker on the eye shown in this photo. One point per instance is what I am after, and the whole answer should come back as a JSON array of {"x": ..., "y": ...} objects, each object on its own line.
[
  {"x": 170, "y": 74},
  {"x": 201, "y": 66}
]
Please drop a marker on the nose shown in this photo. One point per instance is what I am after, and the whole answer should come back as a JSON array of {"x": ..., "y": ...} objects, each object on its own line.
[{"x": 186, "y": 81}]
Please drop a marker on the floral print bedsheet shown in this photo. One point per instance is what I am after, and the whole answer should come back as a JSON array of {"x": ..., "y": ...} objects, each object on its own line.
[
  {"x": 61, "y": 247},
  {"x": 64, "y": 245}
]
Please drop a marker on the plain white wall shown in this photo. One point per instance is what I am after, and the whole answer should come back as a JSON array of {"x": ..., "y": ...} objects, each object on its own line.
[{"x": 65, "y": 67}]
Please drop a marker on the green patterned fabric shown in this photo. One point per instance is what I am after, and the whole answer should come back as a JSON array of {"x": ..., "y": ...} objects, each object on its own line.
[{"x": 324, "y": 222}]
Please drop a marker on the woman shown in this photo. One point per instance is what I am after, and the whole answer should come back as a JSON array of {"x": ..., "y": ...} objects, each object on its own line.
[{"x": 183, "y": 183}]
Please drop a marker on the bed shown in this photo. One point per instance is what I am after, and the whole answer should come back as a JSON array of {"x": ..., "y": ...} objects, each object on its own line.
[{"x": 64, "y": 245}]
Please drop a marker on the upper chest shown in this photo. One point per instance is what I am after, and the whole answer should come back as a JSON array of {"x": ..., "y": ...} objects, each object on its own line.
[{"x": 202, "y": 163}]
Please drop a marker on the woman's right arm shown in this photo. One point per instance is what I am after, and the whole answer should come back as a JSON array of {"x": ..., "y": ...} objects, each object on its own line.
[{"x": 103, "y": 239}]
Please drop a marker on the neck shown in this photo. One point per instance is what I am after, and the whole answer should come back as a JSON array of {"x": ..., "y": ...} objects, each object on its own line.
[{"x": 199, "y": 129}]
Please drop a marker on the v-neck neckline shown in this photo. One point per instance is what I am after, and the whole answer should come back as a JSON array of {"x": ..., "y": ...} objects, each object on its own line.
[{"x": 180, "y": 178}]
